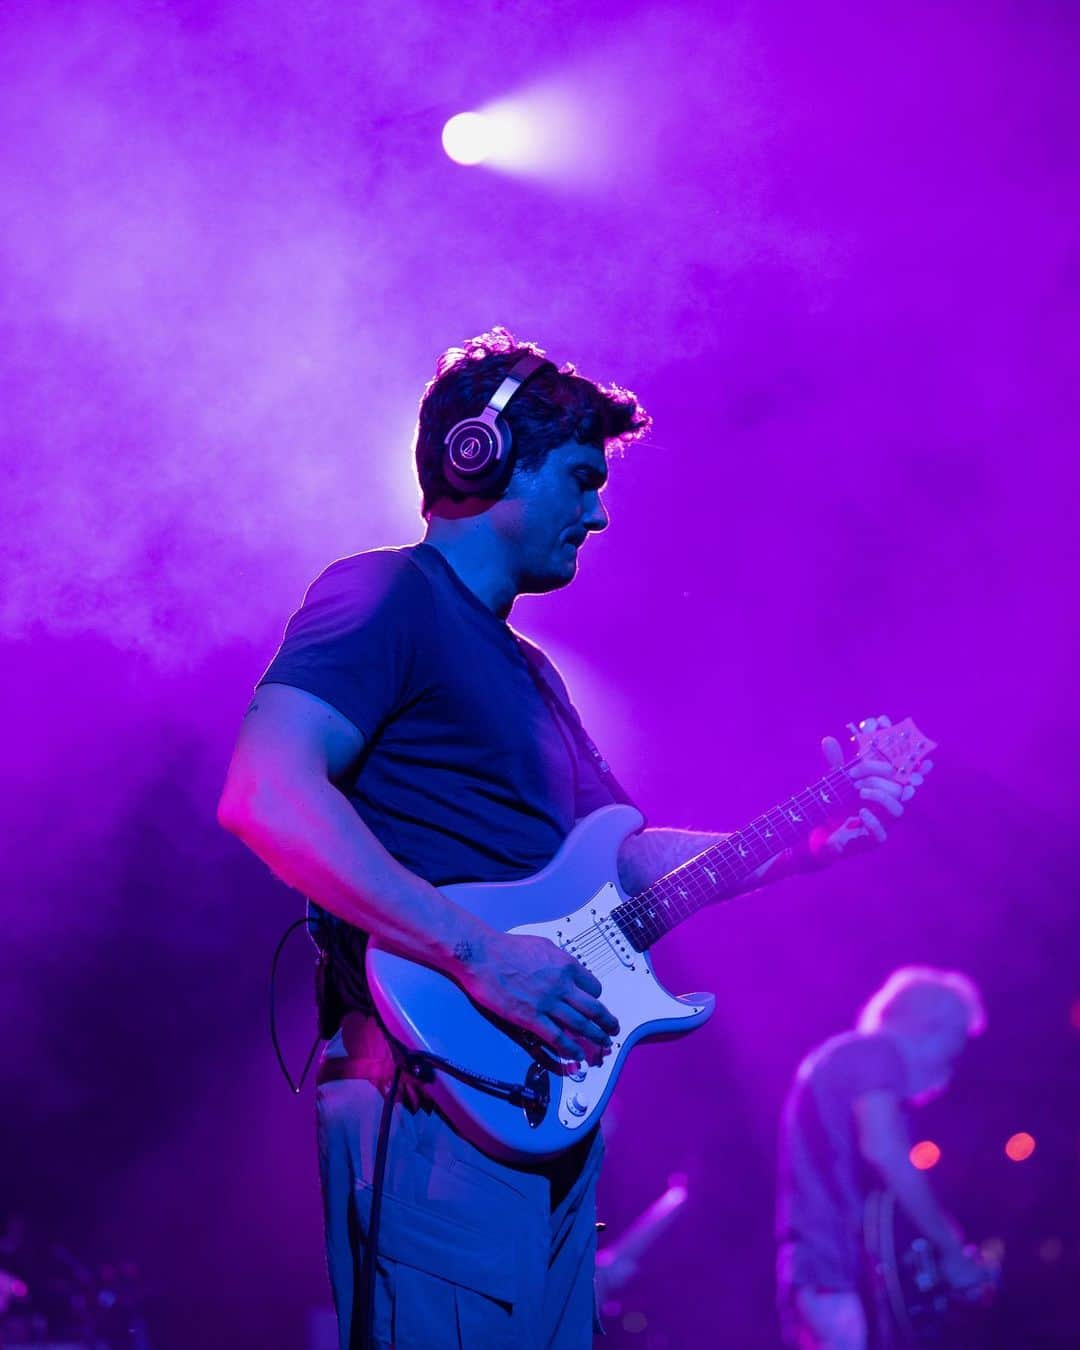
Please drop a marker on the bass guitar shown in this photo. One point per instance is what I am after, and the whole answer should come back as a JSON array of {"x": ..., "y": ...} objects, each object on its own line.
[{"x": 500, "y": 1087}]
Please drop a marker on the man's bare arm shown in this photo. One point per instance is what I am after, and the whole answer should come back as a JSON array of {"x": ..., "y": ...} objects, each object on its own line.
[
  {"x": 280, "y": 800},
  {"x": 884, "y": 1143},
  {"x": 651, "y": 854}
]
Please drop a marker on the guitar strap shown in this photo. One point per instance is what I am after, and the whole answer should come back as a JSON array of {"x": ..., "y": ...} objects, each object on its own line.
[{"x": 567, "y": 718}]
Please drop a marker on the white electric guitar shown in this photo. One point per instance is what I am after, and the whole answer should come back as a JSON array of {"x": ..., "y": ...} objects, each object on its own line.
[{"x": 530, "y": 1104}]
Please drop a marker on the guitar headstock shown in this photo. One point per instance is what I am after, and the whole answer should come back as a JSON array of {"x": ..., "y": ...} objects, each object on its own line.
[{"x": 902, "y": 745}]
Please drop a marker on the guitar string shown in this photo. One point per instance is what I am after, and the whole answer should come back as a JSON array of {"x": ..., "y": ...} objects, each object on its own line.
[
  {"x": 686, "y": 879},
  {"x": 591, "y": 943},
  {"x": 594, "y": 939},
  {"x": 645, "y": 908},
  {"x": 694, "y": 888}
]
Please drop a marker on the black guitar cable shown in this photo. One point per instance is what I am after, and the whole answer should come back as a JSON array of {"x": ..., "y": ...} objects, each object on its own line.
[
  {"x": 363, "y": 1318},
  {"x": 293, "y": 1087},
  {"x": 382, "y": 1149},
  {"x": 419, "y": 1064}
]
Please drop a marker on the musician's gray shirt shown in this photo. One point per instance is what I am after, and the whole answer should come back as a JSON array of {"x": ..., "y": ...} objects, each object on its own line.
[{"x": 823, "y": 1180}]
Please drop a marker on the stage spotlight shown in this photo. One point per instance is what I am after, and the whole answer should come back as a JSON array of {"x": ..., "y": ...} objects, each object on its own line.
[
  {"x": 467, "y": 138},
  {"x": 925, "y": 1155},
  {"x": 543, "y": 132},
  {"x": 1019, "y": 1147}
]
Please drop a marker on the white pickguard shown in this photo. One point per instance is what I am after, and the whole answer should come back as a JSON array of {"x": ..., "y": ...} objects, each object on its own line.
[
  {"x": 631, "y": 992},
  {"x": 426, "y": 1010}
]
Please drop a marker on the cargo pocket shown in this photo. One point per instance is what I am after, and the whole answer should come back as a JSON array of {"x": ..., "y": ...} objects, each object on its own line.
[
  {"x": 577, "y": 1223},
  {"x": 450, "y": 1284},
  {"x": 574, "y": 1247}
]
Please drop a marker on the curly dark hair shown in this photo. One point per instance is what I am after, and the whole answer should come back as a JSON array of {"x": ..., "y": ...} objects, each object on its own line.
[{"x": 555, "y": 406}]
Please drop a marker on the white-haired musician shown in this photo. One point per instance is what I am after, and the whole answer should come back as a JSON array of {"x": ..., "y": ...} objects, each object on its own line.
[{"x": 845, "y": 1132}]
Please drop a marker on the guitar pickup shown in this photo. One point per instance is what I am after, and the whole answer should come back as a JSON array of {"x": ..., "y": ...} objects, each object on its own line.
[{"x": 584, "y": 946}]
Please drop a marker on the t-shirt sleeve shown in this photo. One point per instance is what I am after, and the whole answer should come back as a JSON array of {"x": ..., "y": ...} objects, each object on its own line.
[{"x": 353, "y": 642}]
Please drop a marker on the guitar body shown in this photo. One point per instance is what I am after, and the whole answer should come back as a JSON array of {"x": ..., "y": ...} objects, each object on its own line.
[{"x": 569, "y": 902}]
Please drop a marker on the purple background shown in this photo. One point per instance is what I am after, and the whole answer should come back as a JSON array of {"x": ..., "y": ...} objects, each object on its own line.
[{"x": 834, "y": 250}]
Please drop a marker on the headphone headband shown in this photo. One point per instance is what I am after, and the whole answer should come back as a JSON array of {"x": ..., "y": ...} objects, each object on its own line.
[{"x": 516, "y": 376}]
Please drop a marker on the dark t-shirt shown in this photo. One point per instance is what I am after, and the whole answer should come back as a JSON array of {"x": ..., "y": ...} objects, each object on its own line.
[
  {"x": 468, "y": 773},
  {"x": 823, "y": 1180}
]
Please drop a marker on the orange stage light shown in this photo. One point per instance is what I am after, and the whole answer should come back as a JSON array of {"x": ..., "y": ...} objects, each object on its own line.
[
  {"x": 1019, "y": 1146},
  {"x": 925, "y": 1155}
]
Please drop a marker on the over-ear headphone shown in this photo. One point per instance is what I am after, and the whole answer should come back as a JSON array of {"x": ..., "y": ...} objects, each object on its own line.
[{"x": 479, "y": 459}]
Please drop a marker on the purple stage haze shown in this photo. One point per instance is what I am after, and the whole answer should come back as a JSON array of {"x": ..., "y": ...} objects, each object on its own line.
[{"x": 834, "y": 250}]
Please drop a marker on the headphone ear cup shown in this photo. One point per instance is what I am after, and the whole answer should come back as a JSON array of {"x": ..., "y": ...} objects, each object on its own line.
[{"x": 477, "y": 457}]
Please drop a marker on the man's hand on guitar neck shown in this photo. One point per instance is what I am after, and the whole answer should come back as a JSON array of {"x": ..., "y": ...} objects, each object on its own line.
[
  {"x": 528, "y": 981},
  {"x": 877, "y": 785}
]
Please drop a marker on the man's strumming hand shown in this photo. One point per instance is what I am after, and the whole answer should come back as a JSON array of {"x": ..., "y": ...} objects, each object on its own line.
[{"x": 530, "y": 982}]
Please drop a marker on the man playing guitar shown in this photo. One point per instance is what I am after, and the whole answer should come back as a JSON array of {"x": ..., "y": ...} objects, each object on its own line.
[
  {"x": 405, "y": 738},
  {"x": 844, "y": 1134}
]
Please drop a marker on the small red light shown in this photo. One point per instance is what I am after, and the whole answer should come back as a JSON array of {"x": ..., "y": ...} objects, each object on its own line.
[
  {"x": 1019, "y": 1146},
  {"x": 925, "y": 1155}
]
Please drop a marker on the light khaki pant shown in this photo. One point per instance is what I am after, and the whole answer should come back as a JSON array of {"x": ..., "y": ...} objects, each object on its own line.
[{"x": 473, "y": 1254}]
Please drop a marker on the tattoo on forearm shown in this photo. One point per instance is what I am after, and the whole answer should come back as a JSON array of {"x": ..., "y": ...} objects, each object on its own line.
[
  {"x": 253, "y": 706},
  {"x": 463, "y": 951}
]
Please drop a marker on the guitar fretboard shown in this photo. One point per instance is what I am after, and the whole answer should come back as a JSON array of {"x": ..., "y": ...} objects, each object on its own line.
[{"x": 724, "y": 869}]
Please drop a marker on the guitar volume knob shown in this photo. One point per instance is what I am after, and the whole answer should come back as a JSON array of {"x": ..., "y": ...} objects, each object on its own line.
[{"x": 577, "y": 1105}]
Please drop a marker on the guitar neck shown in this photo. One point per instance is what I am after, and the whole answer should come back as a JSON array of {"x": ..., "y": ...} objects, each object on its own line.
[{"x": 725, "y": 869}]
